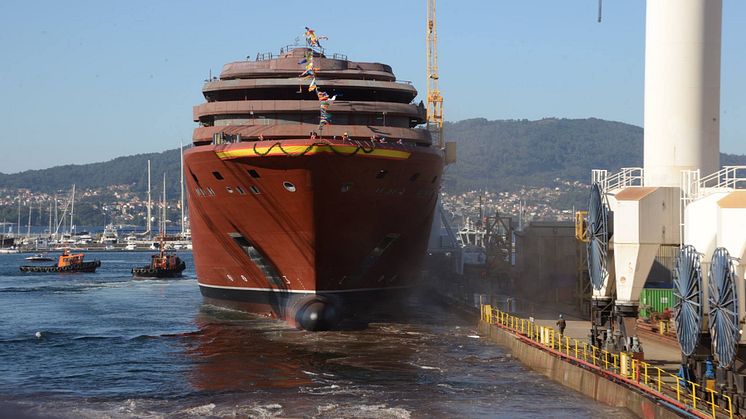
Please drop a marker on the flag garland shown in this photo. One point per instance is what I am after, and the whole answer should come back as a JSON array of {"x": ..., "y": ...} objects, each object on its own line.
[{"x": 312, "y": 40}]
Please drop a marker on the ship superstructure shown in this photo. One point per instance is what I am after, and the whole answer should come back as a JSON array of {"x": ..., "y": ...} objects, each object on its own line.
[{"x": 309, "y": 197}]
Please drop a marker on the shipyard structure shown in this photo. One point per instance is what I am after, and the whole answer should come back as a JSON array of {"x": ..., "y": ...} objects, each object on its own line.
[
  {"x": 311, "y": 189},
  {"x": 681, "y": 202}
]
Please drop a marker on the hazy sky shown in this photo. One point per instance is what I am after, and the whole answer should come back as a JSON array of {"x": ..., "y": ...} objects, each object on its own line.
[{"x": 84, "y": 81}]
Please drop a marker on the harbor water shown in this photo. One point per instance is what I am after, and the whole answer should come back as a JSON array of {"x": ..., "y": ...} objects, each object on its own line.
[{"x": 105, "y": 345}]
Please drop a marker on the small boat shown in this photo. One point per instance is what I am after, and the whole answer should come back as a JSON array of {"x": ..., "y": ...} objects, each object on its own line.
[
  {"x": 68, "y": 262},
  {"x": 162, "y": 265},
  {"x": 39, "y": 257}
]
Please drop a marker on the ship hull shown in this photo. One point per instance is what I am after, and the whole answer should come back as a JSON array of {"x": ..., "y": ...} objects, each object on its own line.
[{"x": 311, "y": 232}]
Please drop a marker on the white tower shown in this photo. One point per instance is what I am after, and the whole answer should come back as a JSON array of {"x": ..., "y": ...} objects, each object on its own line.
[{"x": 682, "y": 89}]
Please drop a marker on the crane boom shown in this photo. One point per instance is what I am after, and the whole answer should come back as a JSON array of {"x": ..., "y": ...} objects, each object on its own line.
[{"x": 434, "y": 99}]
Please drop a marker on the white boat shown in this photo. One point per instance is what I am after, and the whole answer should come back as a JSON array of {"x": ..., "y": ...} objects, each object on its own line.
[
  {"x": 109, "y": 236},
  {"x": 130, "y": 246},
  {"x": 39, "y": 257}
]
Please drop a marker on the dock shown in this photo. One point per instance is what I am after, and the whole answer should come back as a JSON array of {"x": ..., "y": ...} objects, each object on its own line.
[{"x": 648, "y": 387}]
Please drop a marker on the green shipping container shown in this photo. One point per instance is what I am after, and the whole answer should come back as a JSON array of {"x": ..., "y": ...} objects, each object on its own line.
[{"x": 656, "y": 299}]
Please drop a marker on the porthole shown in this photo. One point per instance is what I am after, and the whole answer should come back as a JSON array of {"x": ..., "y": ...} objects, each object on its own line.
[
  {"x": 210, "y": 191},
  {"x": 217, "y": 175},
  {"x": 254, "y": 190},
  {"x": 346, "y": 187},
  {"x": 240, "y": 190},
  {"x": 244, "y": 278},
  {"x": 434, "y": 179},
  {"x": 253, "y": 173},
  {"x": 288, "y": 186},
  {"x": 229, "y": 189},
  {"x": 381, "y": 174},
  {"x": 230, "y": 278}
]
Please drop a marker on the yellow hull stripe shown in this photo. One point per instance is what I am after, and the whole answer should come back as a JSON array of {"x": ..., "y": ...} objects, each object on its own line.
[{"x": 297, "y": 150}]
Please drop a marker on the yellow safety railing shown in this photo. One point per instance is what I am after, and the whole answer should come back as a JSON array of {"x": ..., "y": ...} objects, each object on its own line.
[{"x": 709, "y": 403}]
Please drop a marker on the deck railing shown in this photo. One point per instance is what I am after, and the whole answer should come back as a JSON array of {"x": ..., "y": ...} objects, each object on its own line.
[{"x": 698, "y": 401}]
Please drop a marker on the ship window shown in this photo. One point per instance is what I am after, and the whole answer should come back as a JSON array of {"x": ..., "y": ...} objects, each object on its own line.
[
  {"x": 209, "y": 189},
  {"x": 217, "y": 175},
  {"x": 414, "y": 177},
  {"x": 381, "y": 174},
  {"x": 346, "y": 187},
  {"x": 229, "y": 277},
  {"x": 288, "y": 186},
  {"x": 244, "y": 278},
  {"x": 194, "y": 177},
  {"x": 434, "y": 179},
  {"x": 254, "y": 190},
  {"x": 229, "y": 189},
  {"x": 240, "y": 190},
  {"x": 253, "y": 173}
]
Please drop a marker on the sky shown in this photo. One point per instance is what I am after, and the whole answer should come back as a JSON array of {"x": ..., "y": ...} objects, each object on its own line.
[{"x": 85, "y": 81}]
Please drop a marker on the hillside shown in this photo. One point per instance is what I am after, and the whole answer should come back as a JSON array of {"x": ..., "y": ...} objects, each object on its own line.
[
  {"x": 499, "y": 155},
  {"x": 505, "y": 155},
  {"x": 129, "y": 170}
]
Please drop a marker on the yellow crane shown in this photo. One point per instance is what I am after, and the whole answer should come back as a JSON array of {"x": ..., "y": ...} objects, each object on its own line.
[{"x": 434, "y": 99}]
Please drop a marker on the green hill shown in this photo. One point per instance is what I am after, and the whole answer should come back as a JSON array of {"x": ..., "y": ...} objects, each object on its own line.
[
  {"x": 499, "y": 155},
  {"x": 129, "y": 170},
  {"x": 505, "y": 155}
]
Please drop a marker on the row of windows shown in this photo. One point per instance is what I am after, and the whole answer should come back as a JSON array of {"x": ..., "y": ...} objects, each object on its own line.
[
  {"x": 377, "y": 119},
  {"x": 292, "y": 93},
  {"x": 290, "y": 187},
  {"x": 379, "y": 175}
]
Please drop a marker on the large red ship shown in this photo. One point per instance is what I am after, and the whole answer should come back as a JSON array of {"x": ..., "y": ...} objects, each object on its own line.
[{"x": 310, "y": 198}]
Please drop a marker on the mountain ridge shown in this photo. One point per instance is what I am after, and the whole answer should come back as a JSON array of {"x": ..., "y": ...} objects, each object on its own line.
[{"x": 501, "y": 155}]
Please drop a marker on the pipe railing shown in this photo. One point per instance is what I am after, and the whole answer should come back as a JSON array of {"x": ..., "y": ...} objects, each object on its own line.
[{"x": 702, "y": 402}]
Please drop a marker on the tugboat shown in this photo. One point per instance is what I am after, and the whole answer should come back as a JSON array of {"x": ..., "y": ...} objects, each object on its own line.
[
  {"x": 162, "y": 265},
  {"x": 67, "y": 263}
]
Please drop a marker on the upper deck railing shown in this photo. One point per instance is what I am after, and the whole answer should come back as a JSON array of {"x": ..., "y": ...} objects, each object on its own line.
[{"x": 625, "y": 177}]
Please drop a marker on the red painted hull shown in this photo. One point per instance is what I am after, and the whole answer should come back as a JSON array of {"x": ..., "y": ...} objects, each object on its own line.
[{"x": 276, "y": 233}]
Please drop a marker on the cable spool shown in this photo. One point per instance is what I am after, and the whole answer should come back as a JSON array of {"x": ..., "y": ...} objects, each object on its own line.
[
  {"x": 723, "y": 308},
  {"x": 688, "y": 291},
  {"x": 598, "y": 237}
]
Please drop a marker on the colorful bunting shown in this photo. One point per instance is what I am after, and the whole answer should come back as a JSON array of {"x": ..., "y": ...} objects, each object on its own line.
[{"x": 312, "y": 40}]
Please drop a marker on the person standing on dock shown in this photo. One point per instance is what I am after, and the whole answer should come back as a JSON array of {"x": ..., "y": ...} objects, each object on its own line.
[{"x": 561, "y": 323}]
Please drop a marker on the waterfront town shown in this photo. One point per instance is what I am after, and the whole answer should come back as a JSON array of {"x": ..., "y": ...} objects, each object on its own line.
[{"x": 119, "y": 205}]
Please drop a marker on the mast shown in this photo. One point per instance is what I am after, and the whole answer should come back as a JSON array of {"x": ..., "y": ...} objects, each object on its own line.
[
  {"x": 181, "y": 189},
  {"x": 18, "y": 222},
  {"x": 28, "y": 227},
  {"x": 50, "y": 219},
  {"x": 163, "y": 218},
  {"x": 56, "y": 218},
  {"x": 72, "y": 211},
  {"x": 149, "y": 203}
]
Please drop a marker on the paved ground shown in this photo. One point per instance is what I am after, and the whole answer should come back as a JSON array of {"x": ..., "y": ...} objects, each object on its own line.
[{"x": 657, "y": 353}]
